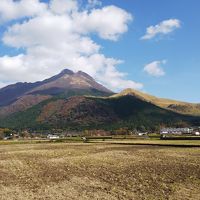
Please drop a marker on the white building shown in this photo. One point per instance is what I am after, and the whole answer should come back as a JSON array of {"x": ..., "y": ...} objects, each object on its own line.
[
  {"x": 176, "y": 131},
  {"x": 52, "y": 137},
  {"x": 197, "y": 133}
]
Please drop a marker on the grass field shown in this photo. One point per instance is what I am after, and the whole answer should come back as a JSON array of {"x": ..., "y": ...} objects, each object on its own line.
[
  {"x": 98, "y": 171},
  {"x": 172, "y": 143}
]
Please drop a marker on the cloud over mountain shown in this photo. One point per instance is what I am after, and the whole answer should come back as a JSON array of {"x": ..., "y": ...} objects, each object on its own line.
[{"x": 55, "y": 35}]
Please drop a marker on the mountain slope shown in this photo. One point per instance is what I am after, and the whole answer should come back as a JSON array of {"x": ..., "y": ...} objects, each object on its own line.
[
  {"x": 68, "y": 80},
  {"x": 69, "y": 101},
  {"x": 176, "y": 106},
  {"x": 20, "y": 96},
  {"x": 97, "y": 113},
  {"x": 22, "y": 104}
]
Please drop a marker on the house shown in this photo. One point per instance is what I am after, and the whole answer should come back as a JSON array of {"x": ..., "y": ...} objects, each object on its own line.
[
  {"x": 197, "y": 133},
  {"x": 52, "y": 137},
  {"x": 142, "y": 134},
  {"x": 177, "y": 131}
]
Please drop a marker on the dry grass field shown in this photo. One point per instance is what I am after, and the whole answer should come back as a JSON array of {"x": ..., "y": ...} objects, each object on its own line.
[{"x": 98, "y": 171}]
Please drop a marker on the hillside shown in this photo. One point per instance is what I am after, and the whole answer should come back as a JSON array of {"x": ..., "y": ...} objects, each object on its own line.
[
  {"x": 22, "y": 104},
  {"x": 21, "y": 96},
  {"x": 79, "y": 113},
  {"x": 176, "y": 106},
  {"x": 76, "y": 101}
]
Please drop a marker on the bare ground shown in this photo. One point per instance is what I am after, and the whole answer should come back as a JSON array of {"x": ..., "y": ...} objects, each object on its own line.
[{"x": 98, "y": 171}]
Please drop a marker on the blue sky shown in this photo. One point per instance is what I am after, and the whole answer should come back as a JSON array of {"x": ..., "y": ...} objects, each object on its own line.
[
  {"x": 181, "y": 48},
  {"x": 175, "y": 53}
]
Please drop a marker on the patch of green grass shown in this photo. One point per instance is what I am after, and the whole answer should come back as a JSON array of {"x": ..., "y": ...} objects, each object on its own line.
[
  {"x": 172, "y": 143},
  {"x": 39, "y": 141}
]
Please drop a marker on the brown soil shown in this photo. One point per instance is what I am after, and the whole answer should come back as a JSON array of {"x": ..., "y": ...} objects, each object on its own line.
[{"x": 98, "y": 171}]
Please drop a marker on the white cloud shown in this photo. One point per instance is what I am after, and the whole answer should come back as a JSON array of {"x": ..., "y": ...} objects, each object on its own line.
[
  {"x": 10, "y": 9},
  {"x": 2, "y": 84},
  {"x": 63, "y": 6},
  {"x": 108, "y": 22},
  {"x": 94, "y": 3},
  {"x": 164, "y": 28},
  {"x": 155, "y": 68},
  {"x": 60, "y": 38}
]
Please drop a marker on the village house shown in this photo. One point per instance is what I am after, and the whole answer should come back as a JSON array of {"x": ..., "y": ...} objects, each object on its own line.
[
  {"x": 52, "y": 137},
  {"x": 178, "y": 131}
]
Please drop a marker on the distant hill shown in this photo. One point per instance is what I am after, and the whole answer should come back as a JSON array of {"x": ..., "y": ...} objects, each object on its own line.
[
  {"x": 176, "y": 106},
  {"x": 76, "y": 101},
  {"x": 81, "y": 112}
]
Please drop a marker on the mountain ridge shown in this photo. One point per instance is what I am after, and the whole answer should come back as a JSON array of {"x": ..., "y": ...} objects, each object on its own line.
[
  {"x": 65, "y": 80},
  {"x": 174, "y": 105},
  {"x": 86, "y": 112},
  {"x": 72, "y": 100}
]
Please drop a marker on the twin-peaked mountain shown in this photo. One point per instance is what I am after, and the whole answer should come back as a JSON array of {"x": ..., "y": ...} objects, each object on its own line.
[
  {"x": 76, "y": 101},
  {"x": 20, "y": 96}
]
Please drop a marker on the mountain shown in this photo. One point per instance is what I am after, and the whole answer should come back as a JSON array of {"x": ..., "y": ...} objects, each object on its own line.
[
  {"x": 68, "y": 81},
  {"x": 124, "y": 111},
  {"x": 86, "y": 112},
  {"x": 173, "y": 105},
  {"x": 20, "y": 96},
  {"x": 76, "y": 101}
]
